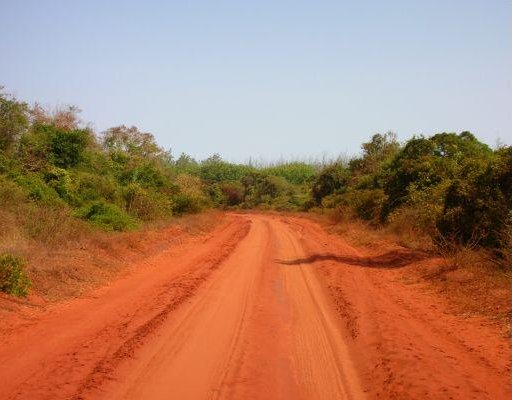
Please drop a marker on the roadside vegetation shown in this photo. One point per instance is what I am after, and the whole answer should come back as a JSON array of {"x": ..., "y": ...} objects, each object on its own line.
[
  {"x": 60, "y": 181},
  {"x": 447, "y": 191},
  {"x": 448, "y": 196}
]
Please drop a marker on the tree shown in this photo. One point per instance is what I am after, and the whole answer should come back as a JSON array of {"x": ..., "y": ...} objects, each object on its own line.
[
  {"x": 427, "y": 162},
  {"x": 215, "y": 169},
  {"x": 187, "y": 164},
  {"x": 65, "y": 118},
  {"x": 380, "y": 148},
  {"x": 14, "y": 121},
  {"x": 331, "y": 179},
  {"x": 68, "y": 146},
  {"x": 132, "y": 142},
  {"x": 478, "y": 204},
  {"x": 297, "y": 172}
]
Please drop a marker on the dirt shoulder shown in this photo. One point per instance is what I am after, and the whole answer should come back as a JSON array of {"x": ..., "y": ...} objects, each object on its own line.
[
  {"x": 468, "y": 281},
  {"x": 74, "y": 268}
]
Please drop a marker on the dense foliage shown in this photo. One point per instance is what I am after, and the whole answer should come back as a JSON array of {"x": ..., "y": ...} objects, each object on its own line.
[
  {"x": 449, "y": 186},
  {"x": 120, "y": 178}
]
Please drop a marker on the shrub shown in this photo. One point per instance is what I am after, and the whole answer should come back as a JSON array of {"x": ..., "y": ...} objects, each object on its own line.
[
  {"x": 376, "y": 153},
  {"x": 137, "y": 201},
  {"x": 38, "y": 190},
  {"x": 214, "y": 193},
  {"x": 107, "y": 216},
  {"x": 214, "y": 169},
  {"x": 60, "y": 181},
  {"x": 283, "y": 203},
  {"x": 33, "y": 148},
  {"x": 479, "y": 203},
  {"x": 186, "y": 203},
  {"x": 146, "y": 204},
  {"x": 185, "y": 164},
  {"x": 294, "y": 172},
  {"x": 274, "y": 186},
  {"x": 89, "y": 187},
  {"x": 366, "y": 204},
  {"x": 330, "y": 180},
  {"x": 190, "y": 197},
  {"x": 426, "y": 162},
  {"x": 147, "y": 174},
  {"x": 67, "y": 147},
  {"x": 13, "y": 278},
  {"x": 10, "y": 193},
  {"x": 233, "y": 193}
]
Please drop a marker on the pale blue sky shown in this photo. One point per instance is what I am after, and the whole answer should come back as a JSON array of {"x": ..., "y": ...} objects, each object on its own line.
[{"x": 266, "y": 78}]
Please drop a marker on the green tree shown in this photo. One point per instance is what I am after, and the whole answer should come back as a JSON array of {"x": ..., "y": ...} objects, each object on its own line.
[
  {"x": 478, "y": 204},
  {"x": 297, "y": 173},
  {"x": 330, "y": 180},
  {"x": 68, "y": 147},
  {"x": 215, "y": 169},
  {"x": 378, "y": 150},
  {"x": 427, "y": 162},
  {"x": 187, "y": 164},
  {"x": 13, "y": 121},
  {"x": 129, "y": 140}
]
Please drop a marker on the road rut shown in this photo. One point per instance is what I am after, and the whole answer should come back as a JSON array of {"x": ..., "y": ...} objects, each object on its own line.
[{"x": 250, "y": 312}]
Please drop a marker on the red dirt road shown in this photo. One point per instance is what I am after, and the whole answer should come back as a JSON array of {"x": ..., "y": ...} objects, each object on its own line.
[{"x": 266, "y": 307}]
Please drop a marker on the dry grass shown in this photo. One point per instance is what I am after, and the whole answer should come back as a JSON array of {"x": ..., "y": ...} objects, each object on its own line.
[
  {"x": 66, "y": 257},
  {"x": 474, "y": 283}
]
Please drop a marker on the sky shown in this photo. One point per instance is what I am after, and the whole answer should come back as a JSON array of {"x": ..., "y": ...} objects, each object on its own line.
[{"x": 266, "y": 79}]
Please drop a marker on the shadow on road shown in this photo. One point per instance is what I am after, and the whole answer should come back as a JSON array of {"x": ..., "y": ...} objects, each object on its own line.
[{"x": 391, "y": 259}]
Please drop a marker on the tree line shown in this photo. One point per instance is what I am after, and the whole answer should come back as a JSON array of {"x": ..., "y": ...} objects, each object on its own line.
[{"x": 451, "y": 187}]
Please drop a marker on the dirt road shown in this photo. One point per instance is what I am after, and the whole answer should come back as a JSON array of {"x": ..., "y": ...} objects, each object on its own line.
[{"x": 266, "y": 307}]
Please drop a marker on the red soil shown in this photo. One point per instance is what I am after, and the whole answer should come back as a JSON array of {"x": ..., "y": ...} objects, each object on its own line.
[{"x": 265, "y": 307}]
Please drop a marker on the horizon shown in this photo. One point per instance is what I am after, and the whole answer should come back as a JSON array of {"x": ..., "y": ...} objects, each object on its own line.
[{"x": 267, "y": 81}]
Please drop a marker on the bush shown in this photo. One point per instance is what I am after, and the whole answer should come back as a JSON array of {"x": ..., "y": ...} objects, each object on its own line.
[
  {"x": 107, "y": 216},
  {"x": 214, "y": 169},
  {"x": 330, "y": 180},
  {"x": 38, "y": 190},
  {"x": 478, "y": 204},
  {"x": 214, "y": 193},
  {"x": 147, "y": 174},
  {"x": 67, "y": 147},
  {"x": 190, "y": 196},
  {"x": 10, "y": 193},
  {"x": 366, "y": 204},
  {"x": 90, "y": 187},
  {"x": 13, "y": 278},
  {"x": 283, "y": 203},
  {"x": 186, "y": 203},
  {"x": 233, "y": 193},
  {"x": 294, "y": 172},
  {"x": 427, "y": 162},
  {"x": 274, "y": 186},
  {"x": 60, "y": 181},
  {"x": 146, "y": 204}
]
